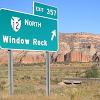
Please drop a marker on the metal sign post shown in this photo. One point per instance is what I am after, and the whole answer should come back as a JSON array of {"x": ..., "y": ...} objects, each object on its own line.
[
  {"x": 49, "y": 12},
  {"x": 10, "y": 72},
  {"x": 47, "y": 73}
]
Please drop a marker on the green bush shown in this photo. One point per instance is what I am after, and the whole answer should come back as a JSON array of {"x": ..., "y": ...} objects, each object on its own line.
[{"x": 92, "y": 73}]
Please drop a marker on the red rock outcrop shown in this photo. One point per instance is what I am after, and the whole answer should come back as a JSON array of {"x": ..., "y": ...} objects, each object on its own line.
[{"x": 73, "y": 47}]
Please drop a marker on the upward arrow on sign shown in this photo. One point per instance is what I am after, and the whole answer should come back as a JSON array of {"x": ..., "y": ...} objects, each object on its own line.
[{"x": 53, "y": 34}]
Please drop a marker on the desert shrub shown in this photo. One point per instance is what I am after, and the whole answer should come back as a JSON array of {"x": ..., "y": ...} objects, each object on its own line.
[
  {"x": 26, "y": 77},
  {"x": 55, "y": 80},
  {"x": 92, "y": 73},
  {"x": 2, "y": 85}
]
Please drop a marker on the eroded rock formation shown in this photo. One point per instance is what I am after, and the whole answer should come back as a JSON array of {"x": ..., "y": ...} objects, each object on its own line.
[{"x": 73, "y": 47}]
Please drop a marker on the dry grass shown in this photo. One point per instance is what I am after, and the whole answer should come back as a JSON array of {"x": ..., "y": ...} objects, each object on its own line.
[
  {"x": 86, "y": 91},
  {"x": 29, "y": 84},
  {"x": 30, "y": 97}
]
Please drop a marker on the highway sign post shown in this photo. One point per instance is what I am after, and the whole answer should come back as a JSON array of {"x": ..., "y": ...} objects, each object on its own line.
[
  {"x": 10, "y": 72},
  {"x": 47, "y": 73},
  {"x": 49, "y": 12},
  {"x": 27, "y": 32}
]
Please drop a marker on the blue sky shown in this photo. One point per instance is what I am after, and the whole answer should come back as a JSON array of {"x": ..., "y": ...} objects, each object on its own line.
[{"x": 73, "y": 15}]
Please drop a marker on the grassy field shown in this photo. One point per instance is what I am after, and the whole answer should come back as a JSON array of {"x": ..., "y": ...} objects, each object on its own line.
[{"x": 29, "y": 83}]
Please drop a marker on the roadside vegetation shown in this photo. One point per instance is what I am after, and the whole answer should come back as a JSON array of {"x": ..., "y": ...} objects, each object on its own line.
[{"x": 29, "y": 82}]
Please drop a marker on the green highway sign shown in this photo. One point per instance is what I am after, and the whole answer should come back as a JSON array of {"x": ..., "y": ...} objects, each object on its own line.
[
  {"x": 27, "y": 32},
  {"x": 44, "y": 10}
]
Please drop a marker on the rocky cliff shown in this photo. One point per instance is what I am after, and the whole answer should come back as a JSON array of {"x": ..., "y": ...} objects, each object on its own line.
[{"x": 73, "y": 47}]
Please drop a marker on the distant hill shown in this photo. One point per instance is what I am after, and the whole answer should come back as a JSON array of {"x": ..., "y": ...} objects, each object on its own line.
[
  {"x": 73, "y": 47},
  {"x": 79, "y": 46}
]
